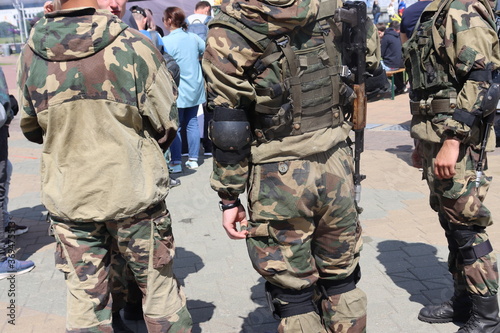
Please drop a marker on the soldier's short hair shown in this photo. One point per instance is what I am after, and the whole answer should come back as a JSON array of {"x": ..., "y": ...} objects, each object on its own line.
[
  {"x": 395, "y": 25},
  {"x": 202, "y": 4}
]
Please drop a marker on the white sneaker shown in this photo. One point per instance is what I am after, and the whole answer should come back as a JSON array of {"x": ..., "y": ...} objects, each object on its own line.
[
  {"x": 175, "y": 168},
  {"x": 190, "y": 164}
]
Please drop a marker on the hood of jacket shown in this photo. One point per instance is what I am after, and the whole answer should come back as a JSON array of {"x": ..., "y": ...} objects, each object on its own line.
[
  {"x": 74, "y": 33},
  {"x": 272, "y": 17},
  {"x": 391, "y": 32}
]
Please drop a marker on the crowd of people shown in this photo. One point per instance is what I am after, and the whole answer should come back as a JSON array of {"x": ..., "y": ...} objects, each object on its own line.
[{"x": 274, "y": 91}]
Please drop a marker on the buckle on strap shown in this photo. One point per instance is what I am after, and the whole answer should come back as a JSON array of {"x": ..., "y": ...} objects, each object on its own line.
[
  {"x": 282, "y": 41},
  {"x": 432, "y": 107}
]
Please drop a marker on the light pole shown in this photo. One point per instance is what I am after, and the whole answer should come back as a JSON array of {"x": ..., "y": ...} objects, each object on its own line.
[{"x": 21, "y": 19}]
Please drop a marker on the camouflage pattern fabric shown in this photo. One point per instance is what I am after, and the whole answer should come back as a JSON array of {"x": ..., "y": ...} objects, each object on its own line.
[
  {"x": 458, "y": 201},
  {"x": 146, "y": 243},
  {"x": 308, "y": 322},
  {"x": 451, "y": 40},
  {"x": 463, "y": 40},
  {"x": 226, "y": 61},
  {"x": 340, "y": 318},
  {"x": 119, "y": 277},
  {"x": 304, "y": 226},
  {"x": 109, "y": 95},
  {"x": 90, "y": 86}
]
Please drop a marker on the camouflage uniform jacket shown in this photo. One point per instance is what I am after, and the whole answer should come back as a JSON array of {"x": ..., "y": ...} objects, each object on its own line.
[
  {"x": 465, "y": 41},
  {"x": 98, "y": 96},
  {"x": 227, "y": 57}
]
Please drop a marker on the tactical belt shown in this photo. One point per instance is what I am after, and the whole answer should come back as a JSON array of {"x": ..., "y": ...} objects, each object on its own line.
[
  {"x": 309, "y": 123},
  {"x": 436, "y": 106}
]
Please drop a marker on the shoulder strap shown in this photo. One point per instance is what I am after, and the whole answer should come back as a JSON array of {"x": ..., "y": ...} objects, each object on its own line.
[
  {"x": 437, "y": 31},
  {"x": 260, "y": 40},
  {"x": 208, "y": 19}
]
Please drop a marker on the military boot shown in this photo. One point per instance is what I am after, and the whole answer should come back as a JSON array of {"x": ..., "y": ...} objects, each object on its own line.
[
  {"x": 484, "y": 316},
  {"x": 458, "y": 308}
]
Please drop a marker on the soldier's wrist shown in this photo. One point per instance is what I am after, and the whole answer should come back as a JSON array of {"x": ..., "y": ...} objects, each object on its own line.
[
  {"x": 229, "y": 204},
  {"x": 454, "y": 135}
]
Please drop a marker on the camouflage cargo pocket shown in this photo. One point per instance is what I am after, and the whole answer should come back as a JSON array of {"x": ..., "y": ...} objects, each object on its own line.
[
  {"x": 463, "y": 182},
  {"x": 164, "y": 249},
  {"x": 264, "y": 250}
]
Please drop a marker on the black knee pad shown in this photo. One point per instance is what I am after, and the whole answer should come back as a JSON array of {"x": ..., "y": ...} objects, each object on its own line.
[
  {"x": 465, "y": 237},
  {"x": 297, "y": 301},
  {"x": 445, "y": 224},
  {"x": 337, "y": 287}
]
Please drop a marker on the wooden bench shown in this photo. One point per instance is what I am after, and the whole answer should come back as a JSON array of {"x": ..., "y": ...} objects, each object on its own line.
[{"x": 391, "y": 75}]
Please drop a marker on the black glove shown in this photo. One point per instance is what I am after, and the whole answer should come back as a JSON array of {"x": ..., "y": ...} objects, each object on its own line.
[{"x": 13, "y": 104}]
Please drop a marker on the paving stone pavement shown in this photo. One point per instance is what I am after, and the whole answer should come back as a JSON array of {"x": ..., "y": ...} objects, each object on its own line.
[{"x": 403, "y": 259}]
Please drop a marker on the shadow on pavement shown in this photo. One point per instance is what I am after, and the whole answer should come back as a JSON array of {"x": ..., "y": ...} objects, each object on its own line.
[
  {"x": 403, "y": 152},
  {"x": 414, "y": 267},
  {"x": 185, "y": 263},
  {"x": 35, "y": 218},
  {"x": 260, "y": 320}
]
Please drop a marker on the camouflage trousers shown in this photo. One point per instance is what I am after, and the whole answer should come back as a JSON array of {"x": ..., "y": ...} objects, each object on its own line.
[
  {"x": 304, "y": 228},
  {"x": 146, "y": 242},
  {"x": 459, "y": 203},
  {"x": 124, "y": 288}
]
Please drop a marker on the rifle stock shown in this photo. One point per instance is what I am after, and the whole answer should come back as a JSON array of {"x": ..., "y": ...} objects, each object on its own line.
[{"x": 359, "y": 124}]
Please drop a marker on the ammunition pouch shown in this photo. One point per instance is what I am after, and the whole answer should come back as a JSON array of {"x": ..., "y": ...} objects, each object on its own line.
[
  {"x": 490, "y": 100},
  {"x": 290, "y": 302},
  {"x": 488, "y": 105},
  {"x": 432, "y": 108},
  {"x": 230, "y": 134},
  {"x": 272, "y": 126},
  {"x": 465, "y": 237},
  {"x": 336, "y": 287},
  {"x": 280, "y": 125}
]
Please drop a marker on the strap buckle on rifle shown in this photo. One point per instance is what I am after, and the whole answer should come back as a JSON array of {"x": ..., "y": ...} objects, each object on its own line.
[{"x": 345, "y": 71}]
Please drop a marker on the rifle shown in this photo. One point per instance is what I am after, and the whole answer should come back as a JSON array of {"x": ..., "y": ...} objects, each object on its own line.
[
  {"x": 488, "y": 107},
  {"x": 353, "y": 18}
]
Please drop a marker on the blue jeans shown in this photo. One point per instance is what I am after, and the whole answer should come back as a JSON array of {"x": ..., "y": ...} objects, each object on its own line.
[{"x": 188, "y": 118}]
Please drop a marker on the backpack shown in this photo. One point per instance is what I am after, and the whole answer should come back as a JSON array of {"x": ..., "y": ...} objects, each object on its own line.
[
  {"x": 200, "y": 28},
  {"x": 429, "y": 74},
  {"x": 301, "y": 83}
]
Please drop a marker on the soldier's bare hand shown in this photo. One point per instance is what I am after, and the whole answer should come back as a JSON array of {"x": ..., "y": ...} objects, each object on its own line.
[
  {"x": 48, "y": 7},
  {"x": 230, "y": 219},
  {"x": 446, "y": 159}
]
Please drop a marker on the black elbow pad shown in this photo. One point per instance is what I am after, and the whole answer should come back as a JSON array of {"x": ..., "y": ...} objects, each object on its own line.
[{"x": 231, "y": 134}]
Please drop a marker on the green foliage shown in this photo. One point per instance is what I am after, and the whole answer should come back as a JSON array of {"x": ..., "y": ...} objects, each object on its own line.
[{"x": 8, "y": 30}]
